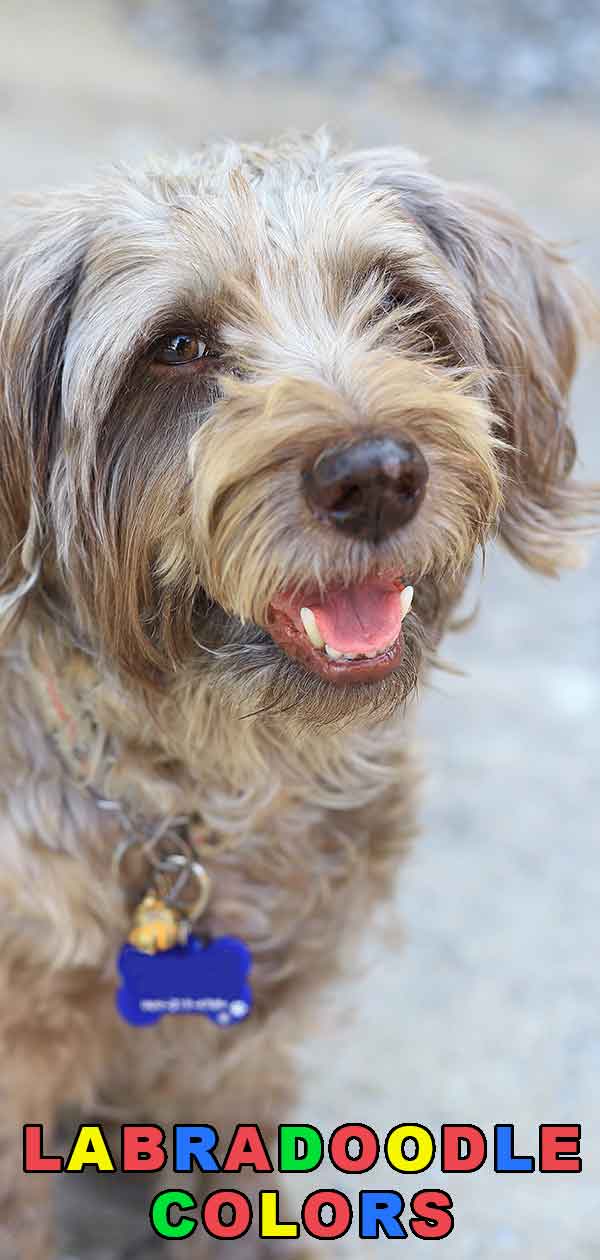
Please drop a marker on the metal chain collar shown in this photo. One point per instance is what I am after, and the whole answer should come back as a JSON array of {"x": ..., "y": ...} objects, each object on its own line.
[{"x": 170, "y": 849}]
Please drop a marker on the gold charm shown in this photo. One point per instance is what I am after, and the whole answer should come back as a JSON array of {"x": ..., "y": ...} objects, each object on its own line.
[{"x": 157, "y": 926}]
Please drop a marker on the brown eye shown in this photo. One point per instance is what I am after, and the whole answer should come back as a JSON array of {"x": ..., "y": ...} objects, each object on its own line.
[{"x": 178, "y": 349}]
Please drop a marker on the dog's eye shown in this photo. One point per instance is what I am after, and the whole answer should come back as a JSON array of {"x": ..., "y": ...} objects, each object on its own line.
[
  {"x": 177, "y": 349},
  {"x": 394, "y": 297}
]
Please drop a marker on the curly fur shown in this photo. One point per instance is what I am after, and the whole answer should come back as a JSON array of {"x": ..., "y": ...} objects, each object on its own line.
[{"x": 146, "y": 525}]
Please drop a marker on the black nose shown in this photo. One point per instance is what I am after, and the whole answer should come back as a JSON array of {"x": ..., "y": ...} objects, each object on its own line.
[{"x": 368, "y": 489}]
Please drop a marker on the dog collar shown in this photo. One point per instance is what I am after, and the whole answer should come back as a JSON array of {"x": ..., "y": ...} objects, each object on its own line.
[{"x": 82, "y": 747}]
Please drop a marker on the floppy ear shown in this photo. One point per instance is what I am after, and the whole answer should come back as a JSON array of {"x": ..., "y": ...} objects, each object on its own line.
[
  {"x": 40, "y": 259},
  {"x": 532, "y": 310}
]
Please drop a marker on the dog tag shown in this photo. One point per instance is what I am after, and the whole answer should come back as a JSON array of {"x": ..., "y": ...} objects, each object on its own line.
[{"x": 192, "y": 979}]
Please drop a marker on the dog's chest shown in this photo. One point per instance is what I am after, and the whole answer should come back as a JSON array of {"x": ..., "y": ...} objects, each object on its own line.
[{"x": 291, "y": 853}]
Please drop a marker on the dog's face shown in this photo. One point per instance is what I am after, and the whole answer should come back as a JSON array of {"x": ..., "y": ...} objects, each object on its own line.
[{"x": 252, "y": 403}]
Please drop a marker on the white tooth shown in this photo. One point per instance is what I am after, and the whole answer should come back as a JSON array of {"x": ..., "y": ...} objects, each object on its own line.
[
  {"x": 310, "y": 625},
  {"x": 335, "y": 656},
  {"x": 406, "y": 599},
  {"x": 374, "y": 652}
]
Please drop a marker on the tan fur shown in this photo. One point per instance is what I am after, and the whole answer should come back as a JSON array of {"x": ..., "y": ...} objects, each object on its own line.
[{"x": 147, "y": 524}]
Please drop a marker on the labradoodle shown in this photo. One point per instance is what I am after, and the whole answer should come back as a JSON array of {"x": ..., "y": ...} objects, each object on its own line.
[{"x": 259, "y": 412}]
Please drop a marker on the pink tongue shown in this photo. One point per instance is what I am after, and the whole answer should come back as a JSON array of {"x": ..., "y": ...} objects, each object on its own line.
[{"x": 359, "y": 618}]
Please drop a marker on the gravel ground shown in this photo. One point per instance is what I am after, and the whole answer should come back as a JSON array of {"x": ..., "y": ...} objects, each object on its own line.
[{"x": 490, "y": 1013}]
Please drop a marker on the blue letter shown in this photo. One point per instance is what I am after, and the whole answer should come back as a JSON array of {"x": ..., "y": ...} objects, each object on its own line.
[
  {"x": 381, "y": 1210},
  {"x": 194, "y": 1144},
  {"x": 505, "y": 1159}
]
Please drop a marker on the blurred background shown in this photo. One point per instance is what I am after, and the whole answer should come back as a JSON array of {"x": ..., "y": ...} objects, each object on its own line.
[{"x": 491, "y": 1011}]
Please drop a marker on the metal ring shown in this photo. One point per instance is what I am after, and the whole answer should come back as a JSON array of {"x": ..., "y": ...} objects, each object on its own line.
[
  {"x": 166, "y": 835},
  {"x": 164, "y": 862},
  {"x": 188, "y": 868},
  {"x": 120, "y": 851},
  {"x": 176, "y": 861},
  {"x": 181, "y": 862}
]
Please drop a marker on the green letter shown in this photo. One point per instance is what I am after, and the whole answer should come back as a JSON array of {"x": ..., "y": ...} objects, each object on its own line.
[
  {"x": 160, "y": 1214},
  {"x": 290, "y": 1158}
]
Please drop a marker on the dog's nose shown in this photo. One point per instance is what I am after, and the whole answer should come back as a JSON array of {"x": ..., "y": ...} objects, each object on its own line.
[{"x": 368, "y": 489}]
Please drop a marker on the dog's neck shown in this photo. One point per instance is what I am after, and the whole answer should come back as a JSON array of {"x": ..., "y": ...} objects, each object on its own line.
[{"x": 185, "y": 753}]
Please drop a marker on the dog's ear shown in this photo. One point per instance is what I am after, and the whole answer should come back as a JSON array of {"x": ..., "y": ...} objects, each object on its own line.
[
  {"x": 41, "y": 249},
  {"x": 532, "y": 310}
]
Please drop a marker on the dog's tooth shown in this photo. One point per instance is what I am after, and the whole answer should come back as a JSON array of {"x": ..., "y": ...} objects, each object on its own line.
[
  {"x": 373, "y": 652},
  {"x": 309, "y": 622},
  {"x": 335, "y": 656},
  {"x": 406, "y": 599}
]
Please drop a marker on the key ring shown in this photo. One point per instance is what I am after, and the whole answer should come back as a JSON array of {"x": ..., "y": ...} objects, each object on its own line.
[
  {"x": 180, "y": 862},
  {"x": 187, "y": 869},
  {"x": 148, "y": 849}
]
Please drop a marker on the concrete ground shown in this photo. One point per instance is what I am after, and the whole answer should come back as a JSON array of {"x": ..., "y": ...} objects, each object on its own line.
[{"x": 491, "y": 1012}]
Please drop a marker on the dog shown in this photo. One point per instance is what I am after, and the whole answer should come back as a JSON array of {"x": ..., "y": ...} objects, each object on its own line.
[{"x": 261, "y": 409}]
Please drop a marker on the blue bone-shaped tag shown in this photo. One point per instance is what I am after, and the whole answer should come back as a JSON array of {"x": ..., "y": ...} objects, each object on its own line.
[{"x": 191, "y": 979}]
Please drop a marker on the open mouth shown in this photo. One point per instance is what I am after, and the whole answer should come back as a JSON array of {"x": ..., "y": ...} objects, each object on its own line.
[{"x": 352, "y": 634}]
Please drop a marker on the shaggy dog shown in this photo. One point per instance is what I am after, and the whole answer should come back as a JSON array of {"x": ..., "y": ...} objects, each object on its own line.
[{"x": 252, "y": 403}]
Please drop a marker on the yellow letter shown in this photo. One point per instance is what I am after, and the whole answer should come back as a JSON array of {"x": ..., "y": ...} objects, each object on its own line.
[
  {"x": 270, "y": 1226},
  {"x": 90, "y": 1149},
  {"x": 394, "y": 1148}
]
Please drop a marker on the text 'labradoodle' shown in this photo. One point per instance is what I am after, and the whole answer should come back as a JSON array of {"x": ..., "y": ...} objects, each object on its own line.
[{"x": 259, "y": 411}]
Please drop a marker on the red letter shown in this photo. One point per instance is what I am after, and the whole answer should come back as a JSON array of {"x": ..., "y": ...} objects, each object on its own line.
[
  {"x": 213, "y": 1207},
  {"x": 452, "y": 1159},
  {"x": 142, "y": 1148},
  {"x": 433, "y": 1218},
  {"x": 312, "y": 1209},
  {"x": 338, "y": 1148},
  {"x": 247, "y": 1150},
  {"x": 553, "y": 1137},
  {"x": 33, "y": 1158}
]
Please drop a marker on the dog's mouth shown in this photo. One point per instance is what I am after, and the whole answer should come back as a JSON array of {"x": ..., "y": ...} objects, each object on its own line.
[{"x": 352, "y": 634}]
